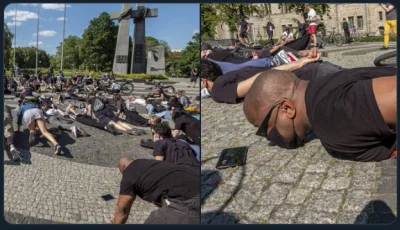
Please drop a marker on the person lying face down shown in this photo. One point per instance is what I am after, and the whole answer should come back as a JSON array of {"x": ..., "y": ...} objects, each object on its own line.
[
  {"x": 353, "y": 112},
  {"x": 233, "y": 86}
]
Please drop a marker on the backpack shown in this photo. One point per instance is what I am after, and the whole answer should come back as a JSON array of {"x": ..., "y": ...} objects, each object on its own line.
[
  {"x": 158, "y": 107},
  {"x": 98, "y": 104}
]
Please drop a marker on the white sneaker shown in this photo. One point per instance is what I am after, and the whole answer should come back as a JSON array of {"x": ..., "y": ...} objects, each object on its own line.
[
  {"x": 15, "y": 153},
  {"x": 74, "y": 131}
]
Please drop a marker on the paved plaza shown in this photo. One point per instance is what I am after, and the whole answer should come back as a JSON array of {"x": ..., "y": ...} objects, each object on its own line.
[
  {"x": 48, "y": 189},
  {"x": 302, "y": 186}
]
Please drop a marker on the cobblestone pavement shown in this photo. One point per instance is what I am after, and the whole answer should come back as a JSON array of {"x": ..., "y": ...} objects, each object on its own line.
[
  {"x": 48, "y": 189},
  {"x": 279, "y": 186}
]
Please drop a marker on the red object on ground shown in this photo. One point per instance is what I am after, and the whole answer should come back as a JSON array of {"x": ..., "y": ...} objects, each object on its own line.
[{"x": 394, "y": 154}]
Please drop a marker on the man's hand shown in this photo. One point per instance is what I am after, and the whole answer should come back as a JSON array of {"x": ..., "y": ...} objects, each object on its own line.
[{"x": 311, "y": 58}]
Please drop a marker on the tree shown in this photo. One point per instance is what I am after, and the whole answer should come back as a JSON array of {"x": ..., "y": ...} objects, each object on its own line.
[
  {"x": 8, "y": 36},
  {"x": 97, "y": 47},
  {"x": 71, "y": 53},
  {"x": 229, "y": 13},
  {"x": 190, "y": 56},
  {"x": 152, "y": 42},
  {"x": 26, "y": 57},
  {"x": 300, "y": 9}
]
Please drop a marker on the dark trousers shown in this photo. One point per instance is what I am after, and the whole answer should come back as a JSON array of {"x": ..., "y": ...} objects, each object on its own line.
[
  {"x": 133, "y": 118},
  {"x": 176, "y": 212},
  {"x": 347, "y": 35},
  {"x": 270, "y": 35},
  {"x": 87, "y": 120}
]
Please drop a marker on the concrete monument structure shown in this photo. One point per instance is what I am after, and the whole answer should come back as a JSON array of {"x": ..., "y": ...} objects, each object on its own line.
[
  {"x": 138, "y": 62},
  {"x": 156, "y": 60}
]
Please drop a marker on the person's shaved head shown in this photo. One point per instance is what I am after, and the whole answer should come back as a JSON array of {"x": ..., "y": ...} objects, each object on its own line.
[
  {"x": 124, "y": 162},
  {"x": 270, "y": 87}
]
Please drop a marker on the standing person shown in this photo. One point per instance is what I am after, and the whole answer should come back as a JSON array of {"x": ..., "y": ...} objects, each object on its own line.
[
  {"x": 51, "y": 71},
  {"x": 312, "y": 26},
  {"x": 16, "y": 70},
  {"x": 13, "y": 71},
  {"x": 270, "y": 32},
  {"x": 9, "y": 134},
  {"x": 346, "y": 30},
  {"x": 243, "y": 31},
  {"x": 193, "y": 79},
  {"x": 390, "y": 23},
  {"x": 174, "y": 188}
]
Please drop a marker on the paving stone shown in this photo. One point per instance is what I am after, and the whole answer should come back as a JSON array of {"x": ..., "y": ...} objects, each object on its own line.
[
  {"x": 311, "y": 180},
  {"x": 356, "y": 200},
  {"x": 349, "y": 218},
  {"x": 298, "y": 195},
  {"x": 316, "y": 217},
  {"x": 387, "y": 185},
  {"x": 288, "y": 176},
  {"x": 336, "y": 183},
  {"x": 325, "y": 201},
  {"x": 260, "y": 214},
  {"x": 275, "y": 194}
]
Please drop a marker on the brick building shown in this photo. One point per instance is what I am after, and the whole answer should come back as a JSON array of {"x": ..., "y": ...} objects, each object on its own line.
[{"x": 368, "y": 19}]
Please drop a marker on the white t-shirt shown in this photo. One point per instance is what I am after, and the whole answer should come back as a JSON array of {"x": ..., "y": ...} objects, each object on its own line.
[
  {"x": 312, "y": 14},
  {"x": 288, "y": 36}
]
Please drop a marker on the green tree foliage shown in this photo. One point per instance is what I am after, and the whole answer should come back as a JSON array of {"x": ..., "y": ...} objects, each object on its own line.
[
  {"x": 71, "y": 53},
  {"x": 7, "y": 46},
  {"x": 151, "y": 42},
  {"x": 26, "y": 57},
  {"x": 190, "y": 56},
  {"x": 320, "y": 9},
  {"x": 229, "y": 13},
  {"x": 98, "y": 43}
]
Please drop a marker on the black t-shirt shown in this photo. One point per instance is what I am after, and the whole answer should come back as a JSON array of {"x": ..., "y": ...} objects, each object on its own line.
[
  {"x": 344, "y": 114},
  {"x": 243, "y": 26},
  {"x": 152, "y": 179},
  {"x": 224, "y": 89},
  {"x": 190, "y": 125},
  {"x": 270, "y": 27},
  {"x": 175, "y": 151}
]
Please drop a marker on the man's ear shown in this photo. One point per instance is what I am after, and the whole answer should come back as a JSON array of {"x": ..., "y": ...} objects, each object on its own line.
[{"x": 289, "y": 108}]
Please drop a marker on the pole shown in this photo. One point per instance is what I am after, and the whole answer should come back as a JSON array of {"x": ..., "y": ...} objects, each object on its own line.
[
  {"x": 15, "y": 32},
  {"x": 366, "y": 18},
  {"x": 62, "y": 44},
  {"x": 37, "y": 42}
]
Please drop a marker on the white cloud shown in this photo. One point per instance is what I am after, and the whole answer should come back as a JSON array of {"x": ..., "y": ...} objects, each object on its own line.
[
  {"x": 62, "y": 19},
  {"x": 22, "y": 15},
  {"x": 13, "y": 23},
  {"x": 195, "y": 32},
  {"x": 34, "y": 43},
  {"x": 46, "y": 33},
  {"x": 28, "y": 4},
  {"x": 59, "y": 7}
]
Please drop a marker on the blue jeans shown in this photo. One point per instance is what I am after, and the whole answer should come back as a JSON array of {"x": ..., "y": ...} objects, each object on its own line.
[
  {"x": 164, "y": 114},
  {"x": 228, "y": 67}
]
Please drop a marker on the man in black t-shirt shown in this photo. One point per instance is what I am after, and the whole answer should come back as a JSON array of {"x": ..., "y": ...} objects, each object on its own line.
[
  {"x": 186, "y": 123},
  {"x": 169, "y": 149},
  {"x": 104, "y": 113},
  {"x": 174, "y": 187},
  {"x": 233, "y": 86},
  {"x": 353, "y": 112},
  {"x": 346, "y": 30},
  {"x": 270, "y": 31},
  {"x": 243, "y": 31}
]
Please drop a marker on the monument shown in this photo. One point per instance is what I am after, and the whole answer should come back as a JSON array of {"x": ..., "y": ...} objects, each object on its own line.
[
  {"x": 156, "y": 60},
  {"x": 138, "y": 62}
]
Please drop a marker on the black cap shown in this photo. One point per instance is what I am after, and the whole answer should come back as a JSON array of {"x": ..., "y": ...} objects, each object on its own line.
[
  {"x": 205, "y": 46},
  {"x": 176, "y": 105}
]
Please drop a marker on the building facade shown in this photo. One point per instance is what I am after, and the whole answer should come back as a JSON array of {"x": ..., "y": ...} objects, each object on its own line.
[{"x": 368, "y": 20}]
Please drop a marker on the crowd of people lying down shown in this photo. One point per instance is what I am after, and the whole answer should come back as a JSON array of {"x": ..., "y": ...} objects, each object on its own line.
[
  {"x": 288, "y": 92},
  {"x": 92, "y": 103},
  {"x": 170, "y": 180}
]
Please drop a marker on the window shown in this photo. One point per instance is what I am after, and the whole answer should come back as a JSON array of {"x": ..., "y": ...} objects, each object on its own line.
[
  {"x": 360, "y": 22},
  {"x": 351, "y": 22},
  {"x": 380, "y": 16}
]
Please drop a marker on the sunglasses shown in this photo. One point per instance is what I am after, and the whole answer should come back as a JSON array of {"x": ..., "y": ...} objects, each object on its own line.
[{"x": 262, "y": 130}]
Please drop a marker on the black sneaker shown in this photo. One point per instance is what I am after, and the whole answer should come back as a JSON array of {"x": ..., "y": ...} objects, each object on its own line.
[
  {"x": 384, "y": 48},
  {"x": 141, "y": 131},
  {"x": 82, "y": 131},
  {"x": 57, "y": 149},
  {"x": 111, "y": 129},
  {"x": 134, "y": 132}
]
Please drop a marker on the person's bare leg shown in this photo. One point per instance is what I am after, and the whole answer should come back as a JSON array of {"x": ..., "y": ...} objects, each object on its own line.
[
  {"x": 314, "y": 38},
  {"x": 45, "y": 133},
  {"x": 32, "y": 131},
  {"x": 125, "y": 125},
  {"x": 118, "y": 126}
]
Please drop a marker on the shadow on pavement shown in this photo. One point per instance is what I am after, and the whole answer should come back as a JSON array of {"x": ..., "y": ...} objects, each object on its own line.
[
  {"x": 25, "y": 158},
  {"x": 376, "y": 212},
  {"x": 210, "y": 180}
]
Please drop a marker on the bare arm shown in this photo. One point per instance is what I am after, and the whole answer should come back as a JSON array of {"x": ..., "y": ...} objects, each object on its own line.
[
  {"x": 387, "y": 9},
  {"x": 159, "y": 158},
  {"x": 385, "y": 94},
  {"x": 244, "y": 86},
  {"x": 123, "y": 209}
]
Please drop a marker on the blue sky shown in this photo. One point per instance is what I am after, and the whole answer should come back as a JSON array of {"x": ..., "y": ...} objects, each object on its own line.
[{"x": 176, "y": 23}]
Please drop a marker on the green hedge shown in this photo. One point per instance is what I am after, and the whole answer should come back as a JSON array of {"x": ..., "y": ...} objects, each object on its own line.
[
  {"x": 69, "y": 73},
  {"x": 377, "y": 39}
]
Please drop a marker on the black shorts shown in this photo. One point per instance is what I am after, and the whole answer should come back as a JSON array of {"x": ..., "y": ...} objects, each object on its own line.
[
  {"x": 106, "y": 118},
  {"x": 243, "y": 35},
  {"x": 193, "y": 80}
]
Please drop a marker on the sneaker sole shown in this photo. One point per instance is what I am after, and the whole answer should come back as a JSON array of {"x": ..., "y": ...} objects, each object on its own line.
[{"x": 15, "y": 155}]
